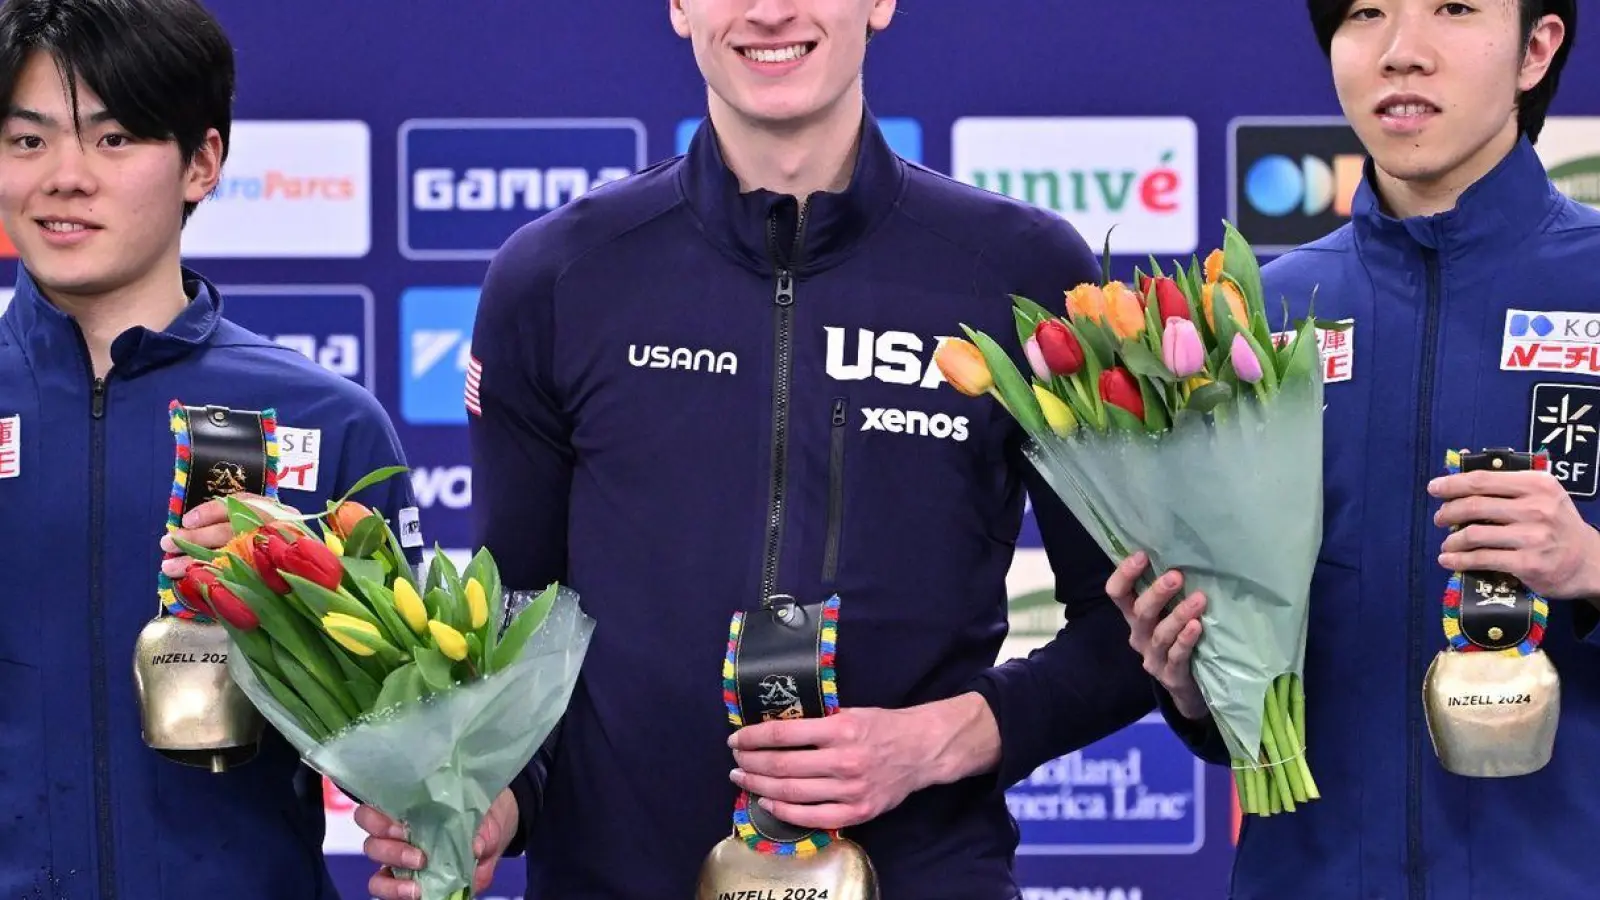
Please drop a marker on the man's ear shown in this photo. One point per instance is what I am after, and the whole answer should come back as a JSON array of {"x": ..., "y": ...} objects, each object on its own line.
[
  {"x": 205, "y": 170},
  {"x": 679, "y": 16},
  {"x": 882, "y": 14},
  {"x": 1549, "y": 33}
]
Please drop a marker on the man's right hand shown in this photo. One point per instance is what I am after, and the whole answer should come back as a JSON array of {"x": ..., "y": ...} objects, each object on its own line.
[
  {"x": 386, "y": 846},
  {"x": 1165, "y": 641}
]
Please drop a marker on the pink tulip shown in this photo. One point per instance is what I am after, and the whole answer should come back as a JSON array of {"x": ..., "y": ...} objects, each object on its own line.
[
  {"x": 1245, "y": 363},
  {"x": 1181, "y": 349},
  {"x": 1036, "y": 359}
]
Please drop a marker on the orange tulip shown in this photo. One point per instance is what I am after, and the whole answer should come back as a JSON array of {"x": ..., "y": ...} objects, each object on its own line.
[
  {"x": 346, "y": 517},
  {"x": 963, "y": 365},
  {"x": 1214, "y": 267},
  {"x": 1124, "y": 311},
  {"x": 1087, "y": 302},
  {"x": 1231, "y": 295}
]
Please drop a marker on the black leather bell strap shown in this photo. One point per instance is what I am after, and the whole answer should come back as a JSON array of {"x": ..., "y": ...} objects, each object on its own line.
[
  {"x": 780, "y": 665},
  {"x": 220, "y": 451},
  {"x": 1493, "y": 612}
]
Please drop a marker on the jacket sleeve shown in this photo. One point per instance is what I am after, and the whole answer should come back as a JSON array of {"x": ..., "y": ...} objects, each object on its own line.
[
  {"x": 1086, "y": 683},
  {"x": 371, "y": 444},
  {"x": 522, "y": 456}
]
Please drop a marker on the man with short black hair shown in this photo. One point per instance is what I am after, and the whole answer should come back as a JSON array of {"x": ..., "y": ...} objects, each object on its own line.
[
  {"x": 116, "y": 122},
  {"x": 1459, "y": 246}
]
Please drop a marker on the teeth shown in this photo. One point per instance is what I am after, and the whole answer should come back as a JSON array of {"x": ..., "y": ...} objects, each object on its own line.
[
  {"x": 1407, "y": 109},
  {"x": 63, "y": 227},
  {"x": 783, "y": 54}
]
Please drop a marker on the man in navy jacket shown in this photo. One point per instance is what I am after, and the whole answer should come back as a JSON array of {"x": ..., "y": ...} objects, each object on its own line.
[
  {"x": 1474, "y": 302},
  {"x": 104, "y": 330},
  {"x": 714, "y": 382}
]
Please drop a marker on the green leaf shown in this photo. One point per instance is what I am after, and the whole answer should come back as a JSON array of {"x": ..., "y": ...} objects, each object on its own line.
[
  {"x": 1138, "y": 359},
  {"x": 362, "y": 686},
  {"x": 1098, "y": 339},
  {"x": 241, "y": 516},
  {"x": 1155, "y": 268},
  {"x": 1209, "y": 396},
  {"x": 370, "y": 569},
  {"x": 435, "y": 668},
  {"x": 1014, "y": 391},
  {"x": 1122, "y": 420},
  {"x": 366, "y": 538},
  {"x": 309, "y": 721},
  {"x": 521, "y": 628},
  {"x": 1305, "y": 361},
  {"x": 403, "y": 687},
  {"x": 1239, "y": 259},
  {"x": 372, "y": 478},
  {"x": 1155, "y": 408},
  {"x": 322, "y": 601},
  {"x": 196, "y": 552},
  {"x": 334, "y": 715},
  {"x": 395, "y": 629},
  {"x": 1034, "y": 311},
  {"x": 1025, "y": 326},
  {"x": 254, "y": 645},
  {"x": 1105, "y": 259}
]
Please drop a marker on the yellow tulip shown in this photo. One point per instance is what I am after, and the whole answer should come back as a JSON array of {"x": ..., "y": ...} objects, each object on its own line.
[
  {"x": 1056, "y": 413},
  {"x": 360, "y": 638},
  {"x": 450, "y": 641},
  {"x": 334, "y": 544},
  {"x": 477, "y": 604},
  {"x": 963, "y": 365},
  {"x": 1124, "y": 313},
  {"x": 409, "y": 605}
]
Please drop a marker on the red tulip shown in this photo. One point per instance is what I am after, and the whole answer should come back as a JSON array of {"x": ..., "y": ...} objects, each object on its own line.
[
  {"x": 1060, "y": 349},
  {"x": 201, "y": 591},
  {"x": 268, "y": 545},
  {"x": 300, "y": 554},
  {"x": 1169, "y": 297},
  {"x": 1118, "y": 388}
]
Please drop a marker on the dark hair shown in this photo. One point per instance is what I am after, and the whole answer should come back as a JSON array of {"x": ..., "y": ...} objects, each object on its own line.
[
  {"x": 164, "y": 68},
  {"x": 1533, "y": 105}
]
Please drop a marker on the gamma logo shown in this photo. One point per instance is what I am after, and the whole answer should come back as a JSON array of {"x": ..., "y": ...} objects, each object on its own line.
[
  {"x": 466, "y": 185},
  {"x": 1291, "y": 180}
]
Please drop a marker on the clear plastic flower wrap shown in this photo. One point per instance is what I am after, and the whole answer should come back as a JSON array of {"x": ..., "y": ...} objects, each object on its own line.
[{"x": 1171, "y": 419}]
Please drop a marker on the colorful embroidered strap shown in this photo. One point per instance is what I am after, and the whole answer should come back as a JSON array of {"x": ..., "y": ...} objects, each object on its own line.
[
  {"x": 1480, "y": 607},
  {"x": 765, "y": 675},
  {"x": 224, "y": 473}
]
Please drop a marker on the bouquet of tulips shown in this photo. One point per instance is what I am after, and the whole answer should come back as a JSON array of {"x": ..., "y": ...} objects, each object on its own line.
[
  {"x": 419, "y": 693},
  {"x": 1171, "y": 419}
]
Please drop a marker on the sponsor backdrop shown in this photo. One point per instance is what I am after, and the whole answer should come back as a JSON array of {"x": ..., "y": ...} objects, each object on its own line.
[{"x": 378, "y": 164}]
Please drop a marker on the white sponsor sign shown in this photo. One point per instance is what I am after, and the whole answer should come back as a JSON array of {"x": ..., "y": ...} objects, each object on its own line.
[
  {"x": 289, "y": 189},
  {"x": 1137, "y": 174},
  {"x": 1569, "y": 146}
]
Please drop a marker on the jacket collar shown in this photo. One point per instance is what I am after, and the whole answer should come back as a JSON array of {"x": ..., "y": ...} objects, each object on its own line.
[
  {"x": 1507, "y": 203},
  {"x": 51, "y": 337},
  {"x": 758, "y": 228}
]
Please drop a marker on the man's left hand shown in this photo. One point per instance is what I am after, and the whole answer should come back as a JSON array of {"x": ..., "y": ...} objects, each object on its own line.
[
  {"x": 1522, "y": 524},
  {"x": 207, "y": 526},
  {"x": 854, "y": 766}
]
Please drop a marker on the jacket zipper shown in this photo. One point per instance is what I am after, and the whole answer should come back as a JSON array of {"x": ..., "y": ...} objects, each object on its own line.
[
  {"x": 830, "y": 555},
  {"x": 1419, "y": 522},
  {"x": 783, "y": 364}
]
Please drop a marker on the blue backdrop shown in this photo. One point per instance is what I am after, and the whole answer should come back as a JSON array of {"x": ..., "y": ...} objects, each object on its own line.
[{"x": 362, "y": 242}]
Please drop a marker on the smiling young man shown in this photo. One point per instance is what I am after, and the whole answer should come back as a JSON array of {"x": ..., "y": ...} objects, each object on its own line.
[
  {"x": 1472, "y": 291},
  {"x": 116, "y": 122},
  {"x": 812, "y": 448}
]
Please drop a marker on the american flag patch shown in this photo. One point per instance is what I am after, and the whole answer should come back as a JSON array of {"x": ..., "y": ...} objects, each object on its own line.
[{"x": 474, "y": 376}]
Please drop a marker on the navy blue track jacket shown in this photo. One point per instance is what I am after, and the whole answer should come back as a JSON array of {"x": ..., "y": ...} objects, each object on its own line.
[
  {"x": 1475, "y": 328},
  {"x": 86, "y": 471},
  {"x": 686, "y": 399}
]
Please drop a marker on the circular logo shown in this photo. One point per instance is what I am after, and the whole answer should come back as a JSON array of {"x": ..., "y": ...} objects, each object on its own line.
[{"x": 1277, "y": 185}]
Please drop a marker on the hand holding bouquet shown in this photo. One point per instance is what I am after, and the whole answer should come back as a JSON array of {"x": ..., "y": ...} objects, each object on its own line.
[
  {"x": 420, "y": 695},
  {"x": 1171, "y": 419}
]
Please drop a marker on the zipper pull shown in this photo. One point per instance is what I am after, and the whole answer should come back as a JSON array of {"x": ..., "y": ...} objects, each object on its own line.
[
  {"x": 838, "y": 413},
  {"x": 98, "y": 409},
  {"x": 785, "y": 294}
]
